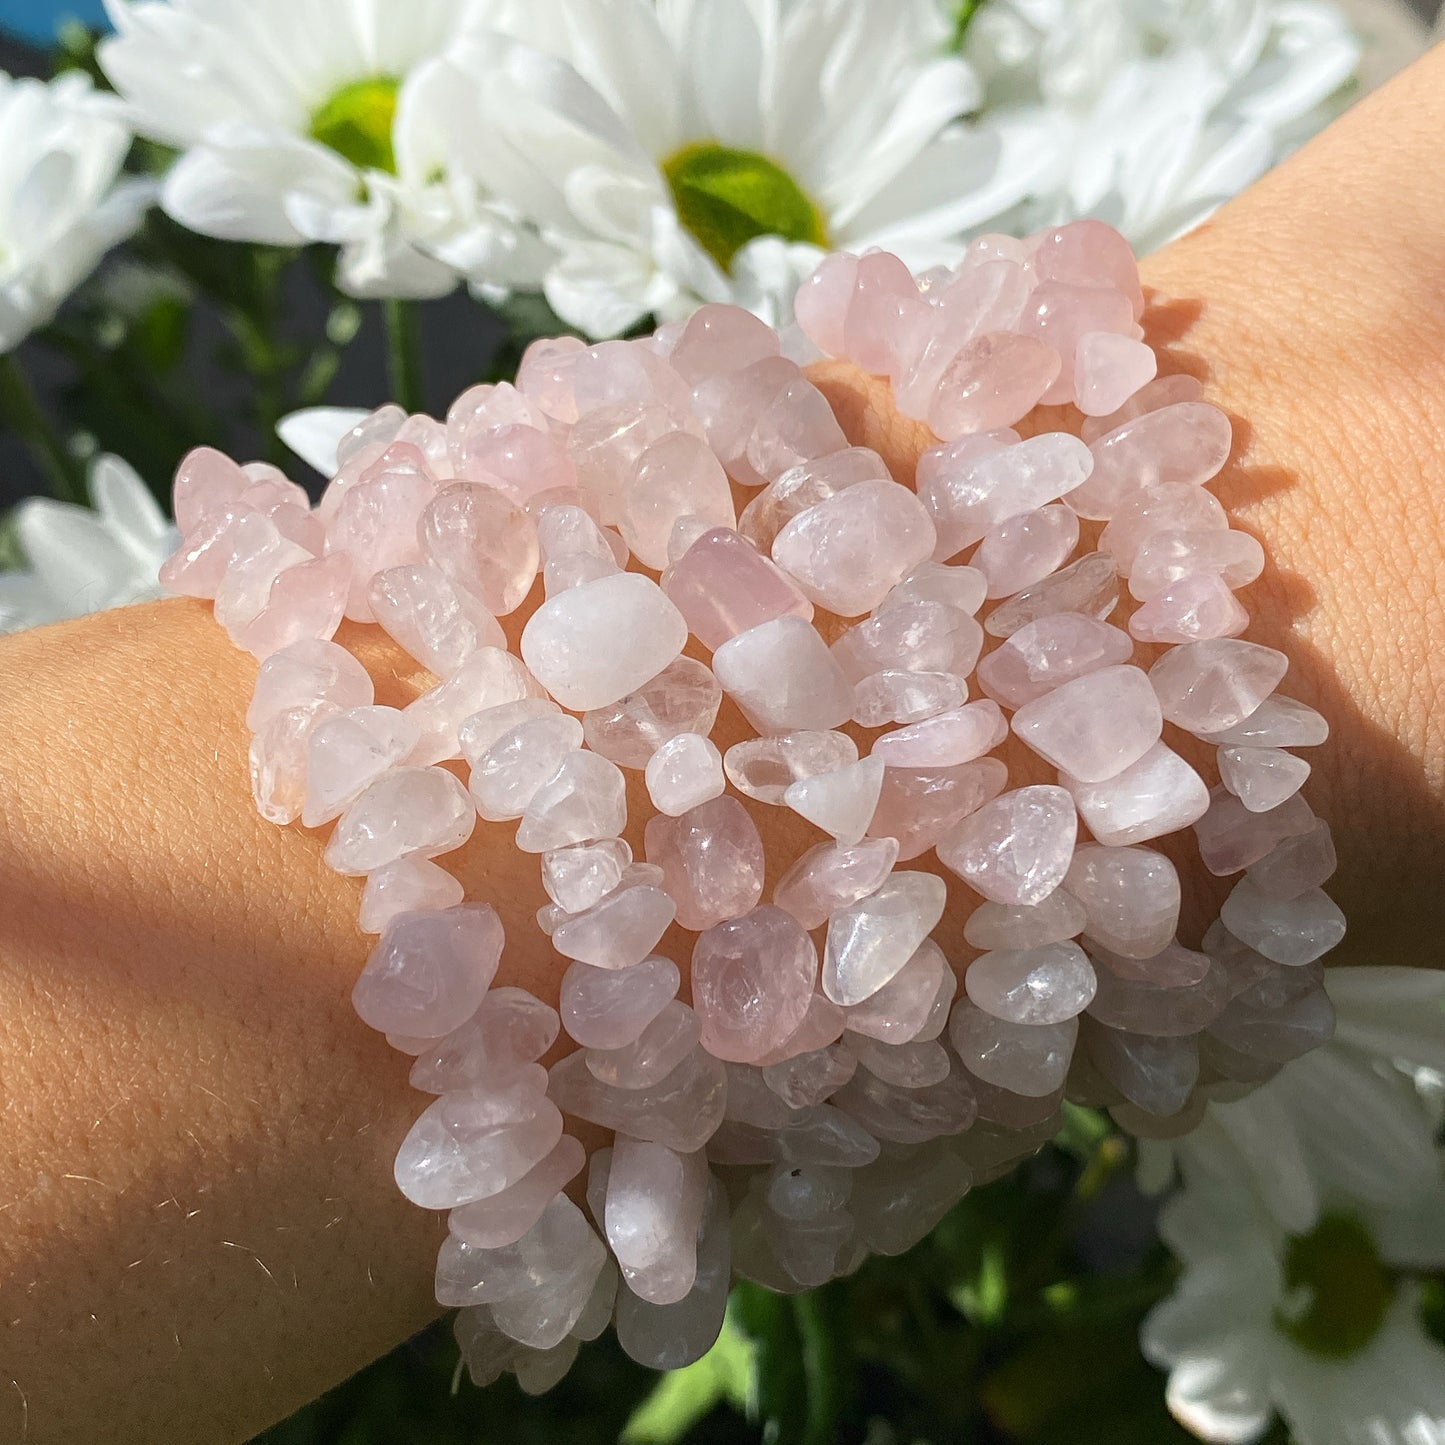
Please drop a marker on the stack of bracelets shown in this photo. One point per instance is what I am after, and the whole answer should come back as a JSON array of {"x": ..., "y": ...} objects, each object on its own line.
[{"x": 789, "y": 1085}]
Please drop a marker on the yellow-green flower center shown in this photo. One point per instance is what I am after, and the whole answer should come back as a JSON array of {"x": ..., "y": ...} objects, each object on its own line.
[
  {"x": 728, "y": 197},
  {"x": 356, "y": 123},
  {"x": 1343, "y": 1286}
]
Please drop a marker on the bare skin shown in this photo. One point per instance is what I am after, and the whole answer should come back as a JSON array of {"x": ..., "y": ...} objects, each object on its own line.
[{"x": 198, "y": 1227}]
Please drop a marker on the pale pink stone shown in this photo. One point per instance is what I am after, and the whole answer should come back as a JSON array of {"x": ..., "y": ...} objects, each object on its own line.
[
  {"x": 1027, "y": 1059},
  {"x": 409, "y": 885},
  {"x": 908, "y": 1116},
  {"x": 606, "y": 446},
  {"x": 1167, "y": 557},
  {"x": 731, "y": 406},
  {"x": 901, "y": 1008},
  {"x": 376, "y": 527},
  {"x": 507, "y": 775},
  {"x": 379, "y": 427},
  {"x": 585, "y": 799},
  {"x": 992, "y": 382},
  {"x": 783, "y": 677},
  {"x": 712, "y": 861},
  {"x": 430, "y": 619},
  {"x": 1061, "y": 314},
  {"x": 805, "y": 1080},
  {"x": 1278, "y": 722},
  {"x": 841, "y": 802},
  {"x": 752, "y": 978},
  {"x": 683, "y": 698},
  {"x": 606, "y": 1008},
  {"x": 259, "y": 555},
  {"x": 685, "y": 531},
  {"x": 1161, "y": 392},
  {"x": 488, "y": 678},
  {"x": 1045, "y": 985},
  {"x": 655, "y": 1199},
  {"x": 832, "y": 876},
  {"x": 1131, "y": 897},
  {"x": 1262, "y": 778},
  {"x": 301, "y": 525},
  {"x": 682, "y": 1111},
  {"x": 648, "y": 1059},
  {"x": 1045, "y": 654},
  {"x": 961, "y": 587},
  {"x": 598, "y": 642},
  {"x": 1095, "y": 726},
  {"x": 919, "y": 805},
  {"x": 1023, "y": 550},
  {"x": 1155, "y": 1074},
  {"x": 306, "y": 673},
  {"x": 1155, "y": 796},
  {"x": 720, "y": 338},
  {"x": 1089, "y": 586},
  {"x": 1296, "y": 864},
  {"x": 723, "y": 586},
  {"x": 997, "y": 925},
  {"x": 520, "y": 461},
  {"x": 906, "y": 697},
  {"x": 870, "y": 941},
  {"x": 845, "y": 553},
  {"x": 946, "y": 739},
  {"x": 207, "y": 483},
  {"x": 911, "y": 637},
  {"x": 1109, "y": 369},
  {"x": 1291, "y": 931},
  {"x": 576, "y": 549},
  {"x": 822, "y": 1025},
  {"x": 969, "y": 497},
  {"x": 1186, "y": 443},
  {"x": 198, "y": 565},
  {"x": 480, "y": 408},
  {"x": 1193, "y": 609},
  {"x": 347, "y": 753},
  {"x": 1017, "y": 848},
  {"x": 1208, "y": 686},
  {"x": 804, "y": 486},
  {"x": 408, "y": 810},
  {"x": 307, "y": 600},
  {"x": 278, "y": 760},
  {"x": 1232, "y": 837},
  {"x": 613, "y": 373},
  {"x": 765, "y": 768},
  {"x": 545, "y": 375},
  {"x": 1087, "y": 253},
  {"x": 1161, "y": 512},
  {"x": 484, "y": 543},
  {"x": 618, "y": 932},
  {"x": 917, "y": 1064},
  {"x": 821, "y": 305},
  {"x": 1183, "y": 994},
  {"x": 430, "y": 971},
  {"x": 484, "y": 729},
  {"x": 505, "y": 1217},
  {"x": 684, "y": 772},
  {"x": 677, "y": 477},
  {"x": 582, "y": 874},
  {"x": 884, "y": 295}
]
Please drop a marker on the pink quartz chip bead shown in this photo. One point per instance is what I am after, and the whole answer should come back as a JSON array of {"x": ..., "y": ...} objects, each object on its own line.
[
  {"x": 307, "y": 600},
  {"x": 309, "y": 671},
  {"x": 1109, "y": 369},
  {"x": 607, "y": 1008},
  {"x": 883, "y": 299},
  {"x": 348, "y": 752},
  {"x": 1061, "y": 313},
  {"x": 1045, "y": 654},
  {"x": 822, "y": 303},
  {"x": 506, "y": 1216},
  {"x": 1095, "y": 726},
  {"x": 1025, "y": 549},
  {"x": 781, "y": 674},
  {"x": 1209, "y": 686},
  {"x": 1155, "y": 796},
  {"x": 1161, "y": 392},
  {"x": 1130, "y": 896},
  {"x": 723, "y": 586},
  {"x": 993, "y": 381},
  {"x": 1194, "y": 609},
  {"x": 425, "y": 811},
  {"x": 831, "y": 876},
  {"x": 409, "y": 885},
  {"x": 918, "y": 806},
  {"x": 1088, "y": 252},
  {"x": 717, "y": 338},
  {"x": 430, "y": 619},
  {"x": 484, "y": 543},
  {"x": 207, "y": 483},
  {"x": 677, "y": 479},
  {"x": 711, "y": 859},
  {"x": 1016, "y": 849},
  {"x": 945, "y": 740}
]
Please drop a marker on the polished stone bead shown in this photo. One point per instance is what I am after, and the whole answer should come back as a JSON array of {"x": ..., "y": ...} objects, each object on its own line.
[
  {"x": 992, "y": 381},
  {"x": 585, "y": 799},
  {"x": 481, "y": 732},
  {"x": 430, "y": 619},
  {"x": 1155, "y": 1074},
  {"x": 783, "y": 677},
  {"x": 409, "y": 885},
  {"x": 306, "y": 600},
  {"x": 842, "y": 802},
  {"x": 898, "y": 1011},
  {"x": 655, "y": 1200},
  {"x": 511, "y": 1028},
  {"x": 765, "y": 768},
  {"x": 1023, "y": 550},
  {"x": 1160, "y": 512},
  {"x": 1290, "y": 931},
  {"x": 685, "y": 771},
  {"x": 507, "y": 775},
  {"x": 998, "y": 925},
  {"x": 830, "y": 876},
  {"x": 306, "y": 673},
  {"x": 1130, "y": 897},
  {"x": 409, "y": 810},
  {"x": 945, "y": 740},
  {"x": 1164, "y": 558},
  {"x": 683, "y": 698},
  {"x": 1016, "y": 849},
  {"x": 723, "y": 586},
  {"x": 805, "y": 486},
  {"x": 1232, "y": 836},
  {"x": 1045, "y": 985},
  {"x": 1208, "y": 686},
  {"x": 485, "y": 544},
  {"x": 1296, "y": 864},
  {"x": 1027, "y": 1059},
  {"x": 1193, "y": 609},
  {"x": 610, "y": 1008},
  {"x": 1261, "y": 778},
  {"x": 277, "y": 758},
  {"x": 717, "y": 339},
  {"x": 911, "y": 637},
  {"x": 871, "y": 940},
  {"x": 347, "y": 752},
  {"x": 918, "y": 806},
  {"x": 961, "y": 587},
  {"x": 1094, "y": 726},
  {"x": 1278, "y": 722},
  {"x": 489, "y": 678},
  {"x": 430, "y": 971},
  {"x": 890, "y": 697},
  {"x": 1109, "y": 369},
  {"x": 1089, "y": 586},
  {"x": 1157, "y": 795},
  {"x": 506, "y": 1217},
  {"x": 712, "y": 861},
  {"x": 618, "y": 932},
  {"x": 1188, "y": 443},
  {"x": 663, "y": 1044},
  {"x": 677, "y": 477}
]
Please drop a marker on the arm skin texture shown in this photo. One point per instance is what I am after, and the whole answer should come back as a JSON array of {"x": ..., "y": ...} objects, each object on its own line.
[{"x": 198, "y": 1225}]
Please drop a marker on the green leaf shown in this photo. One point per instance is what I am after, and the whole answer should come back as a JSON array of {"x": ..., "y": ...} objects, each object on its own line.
[
  {"x": 683, "y": 1397},
  {"x": 984, "y": 1299},
  {"x": 778, "y": 1398}
]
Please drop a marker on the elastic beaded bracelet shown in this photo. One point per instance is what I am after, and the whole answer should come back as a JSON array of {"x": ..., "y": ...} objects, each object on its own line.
[{"x": 826, "y": 1090}]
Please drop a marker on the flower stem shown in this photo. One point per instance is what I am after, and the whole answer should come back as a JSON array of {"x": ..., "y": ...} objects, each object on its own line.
[
  {"x": 403, "y": 354},
  {"x": 21, "y": 412},
  {"x": 827, "y": 1369}
]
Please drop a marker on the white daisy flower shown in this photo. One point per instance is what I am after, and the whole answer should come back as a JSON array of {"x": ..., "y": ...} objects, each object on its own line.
[
  {"x": 61, "y": 208},
  {"x": 85, "y": 561},
  {"x": 307, "y": 120},
  {"x": 706, "y": 150},
  {"x": 1323, "y": 1327}
]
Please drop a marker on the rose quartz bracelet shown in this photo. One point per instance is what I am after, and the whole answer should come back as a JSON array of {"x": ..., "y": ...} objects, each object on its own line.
[{"x": 826, "y": 1090}]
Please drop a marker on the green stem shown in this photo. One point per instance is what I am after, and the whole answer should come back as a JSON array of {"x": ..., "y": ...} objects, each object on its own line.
[
  {"x": 20, "y": 410},
  {"x": 403, "y": 354},
  {"x": 826, "y": 1366}
]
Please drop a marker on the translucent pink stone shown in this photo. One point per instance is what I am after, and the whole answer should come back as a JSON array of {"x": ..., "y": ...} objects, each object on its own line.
[
  {"x": 518, "y": 461},
  {"x": 783, "y": 677},
  {"x": 967, "y": 498},
  {"x": 1062, "y": 314},
  {"x": 1207, "y": 686},
  {"x": 430, "y": 619},
  {"x": 1155, "y": 1074},
  {"x": 598, "y": 642},
  {"x": 765, "y": 768},
  {"x": 914, "y": 637},
  {"x": 1043, "y": 655},
  {"x": 510, "y": 1029},
  {"x": 1131, "y": 897},
  {"x": 1162, "y": 512},
  {"x": 307, "y": 600},
  {"x": 506, "y": 1217},
  {"x": 507, "y": 775},
  {"x": 207, "y": 483},
  {"x": 1193, "y": 609},
  {"x": 685, "y": 771},
  {"x": 1168, "y": 557},
  {"x": 408, "y": 810},
  {"x": 991, "y": 382},
  {"x": 1088, "y": 253},
  {"x": 1017, "y": 848},
  {"x": 259, "y": 555},
  {"x": 376, "y": 527},
  {"x": 997, "y": 925},
  {"x": 348, "y": 752},
  {"x": 1180, "y": 994},
  {"x": 1186, "y": 443},
  {"x": 575, "y": 548},
  {"x": 841, "y": 802},
  {"x": 1278, "y": 722},
  {"x": 1296, "y": 864},
  {"x": 582, "y": 874},
  {"x": 488, "y": 678},
  {"x": 1045, "y": 985},
  {"x": 545, "y": 373},
  {"x": 1232, "y": 837},
  {"x": 677, "y": 477},
  {"x": 806, "y": 1080},
  {"x": 198, "y": 565},
  {"x": 822, "y": 1026},
  {"x": 870, "y": 941},
  {"x": 804, "y": 486},
  {"x": 906, "y": 697},
  {"x": 845, "y": 553},
  {"x": 1162, "y": 391},
  {"x": 821, "y": 305},
  {"x": 484, "y": 543},
  {"x": 723, "y": 586},
  {"x": 1157, "y": 795},
  {"x": 830, "y": 876},
  {"x": 483, "y": 730},
  {"x": 913, "y": 1065},
  {"x": 1023, "y": 550},
  {"x": 1027, "y": 1059},
  {"x": 961, "y": 587},
  {"x": 682, "y": 1111},
  {"x": 615, "y": 372},
  {"x": 1290, "y": 931},
  {"x": 1089, "y": 587},
  {"x": 655, "y": 1199},
  {"x": 752, "y": 977},
  {"x": 278, "y": 755},
  {"x": 648, "y": 1059},
  {"x": 409, "y": 885},
  {"x": 1109, "y": 369},
  {"x": 1262, "y": 778},
  {"x": 945, "y": 740},
  {"x": 918, "y": 806},
  {"x": 606, "y": 1008},
  {"x": 899, "y": 1010},
  {"x": 883, "y": 293},
  {"x": 585, "y": 799},
  {"x": 480, "y": 408},
  {"x": 606, "y": 445},
  {"x": 618, "y": 932},
  {"x": 683, "y": 698},
  {"x": 1095, "y": 726},
  {"x": 718, "y": 339},
  {"x": 712, "y": 862}
]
